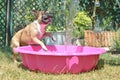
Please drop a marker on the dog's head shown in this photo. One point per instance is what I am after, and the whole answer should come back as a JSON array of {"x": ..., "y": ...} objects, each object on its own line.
[{"x": 43, "y": 16}]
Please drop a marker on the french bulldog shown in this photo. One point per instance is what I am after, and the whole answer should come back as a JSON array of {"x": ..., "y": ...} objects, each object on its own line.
[{"x": 33, "y": 32}]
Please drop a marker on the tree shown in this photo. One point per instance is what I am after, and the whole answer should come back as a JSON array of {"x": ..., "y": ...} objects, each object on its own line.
[{"x": 107, "y": 8}]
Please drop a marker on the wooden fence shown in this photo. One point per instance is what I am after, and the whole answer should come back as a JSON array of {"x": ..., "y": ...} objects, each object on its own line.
[{"x": 100, "y": 39}]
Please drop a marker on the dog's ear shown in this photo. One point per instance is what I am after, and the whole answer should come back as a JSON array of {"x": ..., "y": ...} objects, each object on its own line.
[{"x": 35, "y": 13}]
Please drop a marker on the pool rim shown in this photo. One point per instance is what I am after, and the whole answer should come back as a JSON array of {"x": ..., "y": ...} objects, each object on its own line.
[{"x": 38, "y": 53}]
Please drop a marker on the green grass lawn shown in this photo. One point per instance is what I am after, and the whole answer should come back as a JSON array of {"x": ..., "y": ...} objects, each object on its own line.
[{"x": 108, "y": 69}]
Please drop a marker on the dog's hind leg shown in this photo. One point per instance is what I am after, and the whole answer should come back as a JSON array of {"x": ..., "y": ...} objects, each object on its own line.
[{"x": 15, "y": 54}]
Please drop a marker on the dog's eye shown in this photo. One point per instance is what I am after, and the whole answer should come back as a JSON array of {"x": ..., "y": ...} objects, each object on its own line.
[
  {"x": 44, "y": 17},
  {"x": 42, "y": 12}
]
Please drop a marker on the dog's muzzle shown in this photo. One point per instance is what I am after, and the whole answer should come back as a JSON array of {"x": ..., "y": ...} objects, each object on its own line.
[{"x": 47, "y": 17}]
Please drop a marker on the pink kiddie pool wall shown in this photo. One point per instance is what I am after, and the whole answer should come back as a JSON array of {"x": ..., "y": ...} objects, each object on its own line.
[{"x": 60, "y": 59}]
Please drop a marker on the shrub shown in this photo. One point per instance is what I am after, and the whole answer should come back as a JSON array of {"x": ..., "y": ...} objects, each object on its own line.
[{"x": 81, "y": 22}]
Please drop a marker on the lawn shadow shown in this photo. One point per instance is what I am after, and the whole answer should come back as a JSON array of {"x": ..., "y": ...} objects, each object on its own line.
[
  {"x": 111, "y": 59},
  {"x": 100, "y": 64},
  {"x": 113, "y": 62},
  {"x": 22, "y": 66},
  {"x": 27, "y": 69},
  {"x": 7, "y": 52}
]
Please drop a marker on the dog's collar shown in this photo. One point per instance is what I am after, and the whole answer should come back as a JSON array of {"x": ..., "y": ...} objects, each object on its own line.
[{"x": 38, "y": 25}]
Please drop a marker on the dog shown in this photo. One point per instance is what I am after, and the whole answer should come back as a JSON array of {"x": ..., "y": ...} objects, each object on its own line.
[{"x": 33, "y": 32}]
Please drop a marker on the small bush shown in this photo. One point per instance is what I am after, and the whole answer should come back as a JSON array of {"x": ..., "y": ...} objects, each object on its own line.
[
  {"x": 116, "y": 43},
  {"x": 82, "y": 22}
]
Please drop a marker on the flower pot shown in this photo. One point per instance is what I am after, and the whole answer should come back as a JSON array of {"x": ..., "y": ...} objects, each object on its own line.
[{"x": 59, "y": 39}]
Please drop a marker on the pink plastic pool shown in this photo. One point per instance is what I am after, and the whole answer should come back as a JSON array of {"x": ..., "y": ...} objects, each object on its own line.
[{"x": 60, "y": 59}]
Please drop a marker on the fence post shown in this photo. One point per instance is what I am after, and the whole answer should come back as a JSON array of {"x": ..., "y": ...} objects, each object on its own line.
[{"x": 10, "y": 16}]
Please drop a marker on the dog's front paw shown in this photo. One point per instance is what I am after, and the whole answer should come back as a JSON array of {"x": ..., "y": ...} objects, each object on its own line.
[{"x": 44, "y": 48}]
